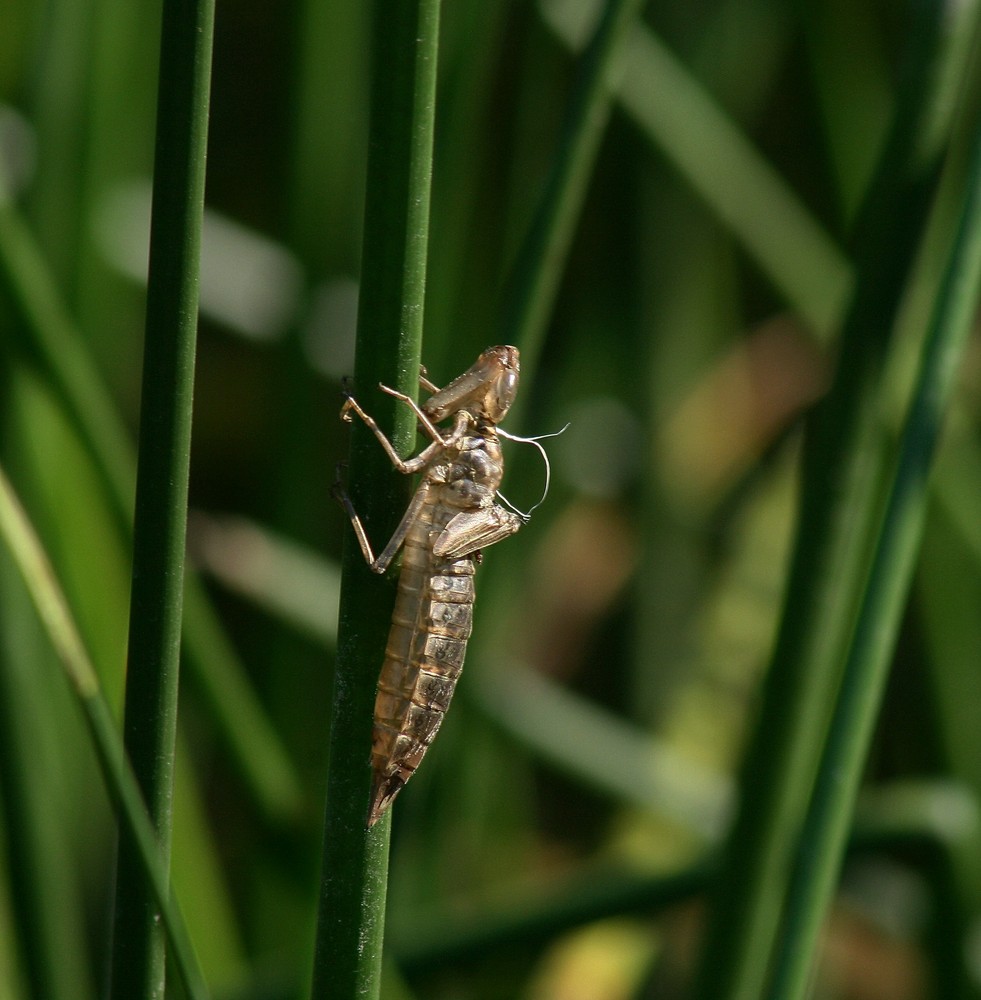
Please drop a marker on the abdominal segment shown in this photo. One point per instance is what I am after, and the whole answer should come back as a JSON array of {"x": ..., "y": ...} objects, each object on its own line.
[{"x": 426, "y": 645}]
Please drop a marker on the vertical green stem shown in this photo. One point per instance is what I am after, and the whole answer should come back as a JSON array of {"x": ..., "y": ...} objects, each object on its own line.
[
  {"x": 162, "y": 472},
  {"x": 347, "y": 961},
  {"x": 826, "y": 826}
]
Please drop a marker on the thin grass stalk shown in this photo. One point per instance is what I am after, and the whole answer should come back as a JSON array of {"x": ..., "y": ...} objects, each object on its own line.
[
  {"x": 52, "y": 609},
  {"x": 829, "y": 816},
  {"x": 330, "y": 57},
  {"x": 60, "y": 104},
  {"x": 347, "y": 960},
  {"x": 672, "y": 109},
  {"x": 43, "y": 884},
  {"x": 540, "y": 262},
  {"x": 841, "y": 465},
  {"x": 530, "y": 289},
  {"x": 47, "y": 336},
  {"x": 138, "y": 956},
  {"x": 51, "y": 340}
]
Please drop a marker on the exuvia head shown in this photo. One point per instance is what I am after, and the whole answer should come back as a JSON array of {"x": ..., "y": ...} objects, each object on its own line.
[{"x": 486, "y": 389}]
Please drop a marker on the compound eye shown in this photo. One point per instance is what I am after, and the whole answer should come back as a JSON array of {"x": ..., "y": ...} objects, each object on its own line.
[{"x": 506, "y": 388}]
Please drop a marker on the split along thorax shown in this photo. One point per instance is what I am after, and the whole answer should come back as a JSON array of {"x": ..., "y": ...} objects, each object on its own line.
[{"x": 472, "y": 471}]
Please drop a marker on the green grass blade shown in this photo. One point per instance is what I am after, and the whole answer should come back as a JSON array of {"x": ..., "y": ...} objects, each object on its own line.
[
  {"x": 842, "y": 460},
  {"x": 44, "y": 879},
  {"x": 60, "y": 101},
  {"x": 138, "y": 966},
  {"x": 53, "y": 341},
  {"x": 540, "y": 262},
  {"x": 738, "y": 184},
  {"x": 278, "y": 575},
  {"x": 347, "y": 960},
  {"x": 329, "y": 108},
  {"x": 254, "y": 746},
  {"x": 717, "y": 159},
  {"x": 603, "y": 751},
  {"x": 866, "y": 668},
  {"x": 120, "y": 780}
]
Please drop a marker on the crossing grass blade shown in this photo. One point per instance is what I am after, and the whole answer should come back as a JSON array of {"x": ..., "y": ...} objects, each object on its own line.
[
  {"x": 121, "y": 783},
  {"x": 529, "y": 295},
  {"x": 866, "y": 668},
  {"x": 842, "y": 467},
  {"x": 48, "y": 336}
]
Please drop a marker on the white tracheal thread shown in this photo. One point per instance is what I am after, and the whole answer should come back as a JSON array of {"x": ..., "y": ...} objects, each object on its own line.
[{"x": 536, "y": 441}]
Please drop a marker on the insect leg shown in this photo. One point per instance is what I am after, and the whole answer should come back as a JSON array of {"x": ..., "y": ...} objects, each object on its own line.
[
  {"x": 430, "y": 427},
  {"x": 383, "y": 561},
  {"x": 408, "y": 466},
  {"x": 405, "y": 525},
  {"x": 340, "y": 495},
  {"x": 425, "y": 383}
]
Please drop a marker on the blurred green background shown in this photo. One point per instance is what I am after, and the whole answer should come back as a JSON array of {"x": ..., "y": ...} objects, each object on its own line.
[{"x": 552, "y": 845}]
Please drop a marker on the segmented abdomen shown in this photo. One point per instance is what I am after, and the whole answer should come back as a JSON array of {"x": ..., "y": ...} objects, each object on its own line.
[{"x": 430, "y": 626}]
